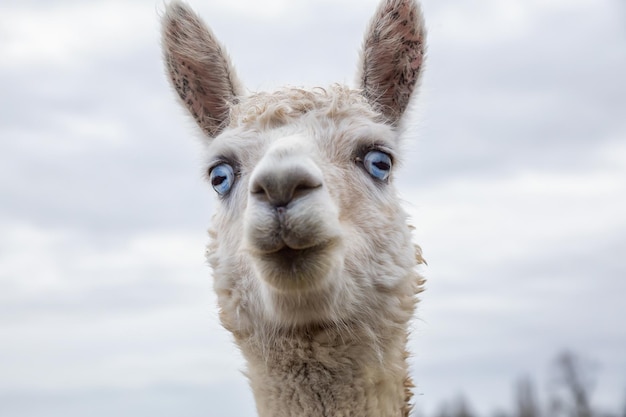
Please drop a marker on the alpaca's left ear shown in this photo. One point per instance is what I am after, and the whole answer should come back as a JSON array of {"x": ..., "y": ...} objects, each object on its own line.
[{"x": 392, "y": 57}]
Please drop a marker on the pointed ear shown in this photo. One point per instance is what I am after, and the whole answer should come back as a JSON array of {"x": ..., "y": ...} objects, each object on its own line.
[
  {"x": 198, "y": 68},
  {"x": 392, "y": 57}
]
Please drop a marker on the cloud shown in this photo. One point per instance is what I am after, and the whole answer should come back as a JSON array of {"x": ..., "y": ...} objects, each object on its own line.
[
  {"x": 515, "y": 182},
  {"x": 64, "y": 35},
  {"x": 226, "y": 399},
  {"x": 541, "y": 99}
]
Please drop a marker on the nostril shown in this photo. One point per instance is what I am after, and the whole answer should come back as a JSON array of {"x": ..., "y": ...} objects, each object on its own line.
[
  {"x": 305, "y": 187},
  {"x": 257, "y": 188}
]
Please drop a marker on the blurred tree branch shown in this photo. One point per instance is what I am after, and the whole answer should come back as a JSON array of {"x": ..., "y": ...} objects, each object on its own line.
[
  {"x": 573, "y": 377},
  {"x": 526, "y": 400}
]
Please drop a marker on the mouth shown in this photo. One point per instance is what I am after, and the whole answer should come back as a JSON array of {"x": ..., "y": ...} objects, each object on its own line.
[
  {"x": 289, "y": 255},
  {"x": 288, "y": 269}
]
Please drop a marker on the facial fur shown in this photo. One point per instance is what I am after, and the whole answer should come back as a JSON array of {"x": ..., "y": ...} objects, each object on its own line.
[{"x": 318, "y": 258}]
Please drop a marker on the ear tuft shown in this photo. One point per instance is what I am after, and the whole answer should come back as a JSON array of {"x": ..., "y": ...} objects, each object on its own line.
[
  {"x": 392, "y": 57},
  {"x": 199, "y": 69}
]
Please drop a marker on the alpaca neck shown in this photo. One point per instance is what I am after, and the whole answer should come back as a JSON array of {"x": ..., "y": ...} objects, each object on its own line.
[{"x": 330, "y": 372}]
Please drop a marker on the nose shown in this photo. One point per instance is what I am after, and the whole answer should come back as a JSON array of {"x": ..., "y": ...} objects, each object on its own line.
[{"x": 281, "y": 181}]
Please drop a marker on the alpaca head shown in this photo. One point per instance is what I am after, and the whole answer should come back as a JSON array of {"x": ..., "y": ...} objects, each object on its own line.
[{"x": 308, "y": 229}]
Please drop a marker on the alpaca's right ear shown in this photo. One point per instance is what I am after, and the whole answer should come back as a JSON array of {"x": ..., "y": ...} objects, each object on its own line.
[{"x": 198, "y": 68}]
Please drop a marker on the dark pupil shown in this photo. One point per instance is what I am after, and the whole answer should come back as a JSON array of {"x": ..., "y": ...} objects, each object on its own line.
[
  {"x": 383, "y": 166},
  {"x": 218, "y": 179}
]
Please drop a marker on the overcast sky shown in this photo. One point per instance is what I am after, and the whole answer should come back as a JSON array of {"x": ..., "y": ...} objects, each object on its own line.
[{"x": 515, "y": 177}]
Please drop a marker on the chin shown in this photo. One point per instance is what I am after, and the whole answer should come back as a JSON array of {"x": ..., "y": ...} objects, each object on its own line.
[{"x": 303, "y": 287}]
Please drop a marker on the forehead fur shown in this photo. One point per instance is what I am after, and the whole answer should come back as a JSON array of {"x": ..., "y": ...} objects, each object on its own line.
[{"x": 266, "y": 110}]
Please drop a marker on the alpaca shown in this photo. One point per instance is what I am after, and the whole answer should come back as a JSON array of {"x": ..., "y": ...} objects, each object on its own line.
[{"x": 313, "y": 263}]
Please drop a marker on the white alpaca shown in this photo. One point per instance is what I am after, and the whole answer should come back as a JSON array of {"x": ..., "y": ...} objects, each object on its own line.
[{"x": 313, "y": 263}]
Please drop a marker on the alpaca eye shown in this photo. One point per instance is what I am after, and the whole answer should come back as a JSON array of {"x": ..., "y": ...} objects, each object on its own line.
[
  {"x": 222, "y": 178},
  {"x": 378, "y": 164}
]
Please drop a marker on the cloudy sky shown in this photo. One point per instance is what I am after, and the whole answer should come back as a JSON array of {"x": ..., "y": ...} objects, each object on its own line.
[{"x": 515, "y": 177}]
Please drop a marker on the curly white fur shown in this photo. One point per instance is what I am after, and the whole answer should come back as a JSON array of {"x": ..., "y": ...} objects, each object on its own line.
[{"x": 313, "y": 262}]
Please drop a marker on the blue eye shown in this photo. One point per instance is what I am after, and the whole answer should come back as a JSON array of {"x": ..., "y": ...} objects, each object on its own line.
[
  {"x": 222, "y": 178},
  {"x": 378, "y": 164}
]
